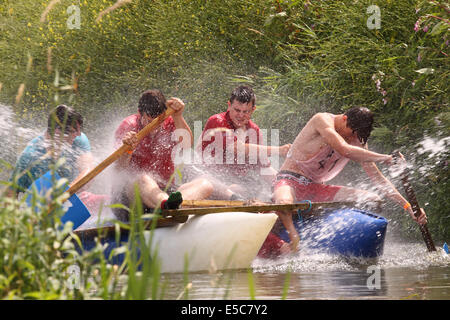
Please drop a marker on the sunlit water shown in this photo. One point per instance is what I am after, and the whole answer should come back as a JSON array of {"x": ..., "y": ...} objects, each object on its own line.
[{"x": 406, "y": 271}]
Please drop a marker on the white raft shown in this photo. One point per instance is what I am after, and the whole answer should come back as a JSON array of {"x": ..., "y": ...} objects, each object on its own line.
[{"x": 217, "y": 241}]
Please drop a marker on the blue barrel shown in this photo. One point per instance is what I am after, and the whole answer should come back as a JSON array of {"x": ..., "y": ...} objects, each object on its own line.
[
  {"x": 348, "y": 232},
  {"x": 76, "y": 210},
  {"x": 109, "y": 242}
]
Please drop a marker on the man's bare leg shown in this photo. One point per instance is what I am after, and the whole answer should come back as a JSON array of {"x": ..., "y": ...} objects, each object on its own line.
[
  {"x": 150, "y": 192},
  {"x": 220, "y": 190},
  {"x": 285, "y": 195},
  {"x": 197, "y": 189}
]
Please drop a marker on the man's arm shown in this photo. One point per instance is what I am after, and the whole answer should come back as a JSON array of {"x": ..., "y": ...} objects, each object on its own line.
[
  {"x": 178, "y": 119},
  {"x": 269, "y": 150},
  {"x": 388, "y": 189},
  {"x": 325, "y": 127}
]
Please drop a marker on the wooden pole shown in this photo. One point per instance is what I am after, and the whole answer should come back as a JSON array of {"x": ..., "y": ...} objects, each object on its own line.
[
  {"x": 255, "y": 208},
  {"x": 118, "y": 153},
  {"x": 218, "y": 203},
  {"x": 411, "y": 195},
  {"x": 172, "y": 217}
]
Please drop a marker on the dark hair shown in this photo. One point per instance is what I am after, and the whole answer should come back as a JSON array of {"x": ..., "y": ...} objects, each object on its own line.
[
  {"x": 63, "y": 117},
  {"x": 360, "y": 120},
  {"x": 243, "y": 94},
  {"x": 152, "y": 102}
]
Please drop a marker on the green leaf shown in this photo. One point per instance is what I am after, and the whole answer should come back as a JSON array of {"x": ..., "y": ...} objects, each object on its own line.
[{"x": 438, "y": 28}]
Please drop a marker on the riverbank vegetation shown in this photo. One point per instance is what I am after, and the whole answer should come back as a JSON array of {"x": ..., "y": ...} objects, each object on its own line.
[{"x": 301, "y": 57}]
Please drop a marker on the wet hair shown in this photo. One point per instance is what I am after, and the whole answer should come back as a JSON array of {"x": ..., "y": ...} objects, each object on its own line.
[
  {"x": 360, "y": 120},
  {"x": 152, "y": 103},
  {"x": 243, "y": 94},
  {"x": 63, "y": 118}
]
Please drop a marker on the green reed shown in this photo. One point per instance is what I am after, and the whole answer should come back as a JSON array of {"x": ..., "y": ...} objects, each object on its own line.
[{"x": 41, "y": 259}]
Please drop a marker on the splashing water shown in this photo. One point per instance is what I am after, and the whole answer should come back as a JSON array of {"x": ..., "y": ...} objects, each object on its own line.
[
  {"x": 13, "y": 137},
  {"x": 396, "y": 255},
  {"x": 436, "y": 150}
]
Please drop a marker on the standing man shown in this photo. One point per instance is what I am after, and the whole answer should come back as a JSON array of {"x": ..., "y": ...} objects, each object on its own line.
[
  {"x": 320, "y": 152},
  {"x": 150, "y": 164},
  {"x": 232, "y": 149}
]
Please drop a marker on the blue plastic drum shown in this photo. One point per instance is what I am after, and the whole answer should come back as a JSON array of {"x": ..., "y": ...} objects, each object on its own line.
[{"x": 348, "y": 232}]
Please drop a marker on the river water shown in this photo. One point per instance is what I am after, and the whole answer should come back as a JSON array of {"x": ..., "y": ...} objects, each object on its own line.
[{"x": 405, "y": 271}]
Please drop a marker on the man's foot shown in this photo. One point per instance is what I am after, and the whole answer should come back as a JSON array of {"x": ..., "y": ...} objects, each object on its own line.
[{"x": 173, "y": 202}]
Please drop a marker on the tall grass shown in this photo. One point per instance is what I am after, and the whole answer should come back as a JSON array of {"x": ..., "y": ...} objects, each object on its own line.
[{"x": 41, "y": 259}]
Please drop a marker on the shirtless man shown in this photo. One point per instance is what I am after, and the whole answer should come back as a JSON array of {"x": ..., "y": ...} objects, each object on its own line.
[{"x": 320, "y": 152}]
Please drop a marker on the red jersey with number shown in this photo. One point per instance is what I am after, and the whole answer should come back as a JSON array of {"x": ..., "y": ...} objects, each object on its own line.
[
  {"x": 154, "y": 152},
  {"x": 227, "y": 160}
]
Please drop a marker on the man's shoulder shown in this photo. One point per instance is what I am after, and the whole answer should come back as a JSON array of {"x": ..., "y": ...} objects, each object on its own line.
[
  {"x": 82, "y": 142},
  {"x": 129, "y": 123},
  {"x": 252, "y": 125},
  {"x": 324, "y": 115},
  {"x": 131, "y": 119},
  {"x": 169, "y": 122},
  {"x": 37, "y": 144},
  {"x": 33, "y": 151},
  {"x": 322, "y": 119},
  {"x": 217, "y": 120}
]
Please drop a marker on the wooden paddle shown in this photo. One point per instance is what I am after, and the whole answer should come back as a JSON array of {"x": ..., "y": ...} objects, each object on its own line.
[
  {"x": 119, "y": 152},
  {"x": 411, "y": 195}
]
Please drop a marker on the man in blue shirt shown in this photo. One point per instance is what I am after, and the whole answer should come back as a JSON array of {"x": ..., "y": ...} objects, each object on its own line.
[{"x": 62, "y": 139}]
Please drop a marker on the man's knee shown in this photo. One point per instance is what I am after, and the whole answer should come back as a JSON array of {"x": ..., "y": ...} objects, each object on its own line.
[
  {"x": 283, "y": 195},
  {"x": 205, "y": 185}
]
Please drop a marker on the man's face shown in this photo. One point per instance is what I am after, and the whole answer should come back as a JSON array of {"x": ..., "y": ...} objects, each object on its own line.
[
  {"x": 146, "y": 119},
  {"x": 240, "y": 113},
  {"x": 72, "y": 133}
]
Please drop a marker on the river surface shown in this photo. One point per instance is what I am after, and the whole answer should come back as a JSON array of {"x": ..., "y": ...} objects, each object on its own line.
[{"x": 405, "y": 271}]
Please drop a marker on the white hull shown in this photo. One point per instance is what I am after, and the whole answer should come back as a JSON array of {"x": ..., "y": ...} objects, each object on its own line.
[{"x": 216, "y": 241}]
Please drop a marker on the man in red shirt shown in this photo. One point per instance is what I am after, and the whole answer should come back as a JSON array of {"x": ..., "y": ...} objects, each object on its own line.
[
  {"x": 232, "y": 149},
  {"x": 150, "y": 165}
]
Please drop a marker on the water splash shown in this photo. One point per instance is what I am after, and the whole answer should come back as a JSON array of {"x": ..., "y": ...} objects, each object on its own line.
[
  {"x": 13, "y": 136},
  {"x": 396, "y": 255},
  {"x": 433, "y": 146}
]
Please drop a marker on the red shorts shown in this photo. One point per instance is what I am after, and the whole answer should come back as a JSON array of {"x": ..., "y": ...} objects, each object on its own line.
[
  {"x": 305, "y": 189},
  {"x": 271, "y": 247}
]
